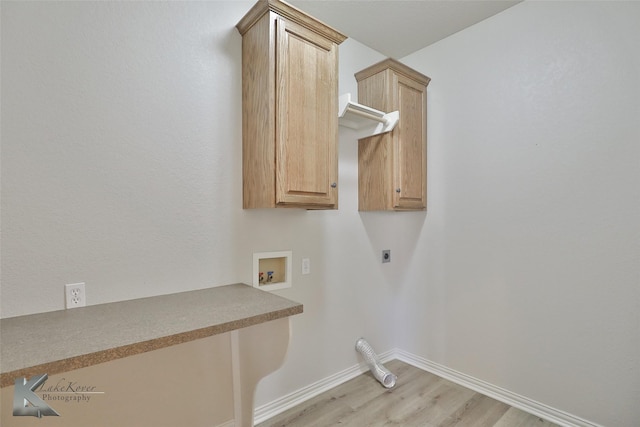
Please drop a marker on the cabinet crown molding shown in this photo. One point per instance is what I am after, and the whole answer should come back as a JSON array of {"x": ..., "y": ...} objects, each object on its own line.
[
  {"x": 291, "y": 13},
  {"x": 396, "y": 66}
]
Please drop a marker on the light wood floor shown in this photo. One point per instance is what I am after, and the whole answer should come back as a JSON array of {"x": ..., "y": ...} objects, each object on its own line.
[{"x": 418, "y": 399}]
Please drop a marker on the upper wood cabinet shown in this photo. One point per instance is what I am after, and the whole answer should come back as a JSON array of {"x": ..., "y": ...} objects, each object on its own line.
[
  {"x": 289, "y": 108},
  {"x": 392, "y": 167}
]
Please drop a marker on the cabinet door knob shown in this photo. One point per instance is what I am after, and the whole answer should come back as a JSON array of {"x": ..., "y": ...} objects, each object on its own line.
[
  {"x": 334, "y": 185},
  {"x": 397, "y": 190}
]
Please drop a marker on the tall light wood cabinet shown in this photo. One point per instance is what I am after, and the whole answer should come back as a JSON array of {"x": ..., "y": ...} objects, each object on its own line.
[
  {"x": 392, "y": 167},
  {"x": 289, "y": 108}
]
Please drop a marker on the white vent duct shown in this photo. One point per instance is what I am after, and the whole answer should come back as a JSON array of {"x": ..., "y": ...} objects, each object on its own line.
[{"x": 381, "y": 373}]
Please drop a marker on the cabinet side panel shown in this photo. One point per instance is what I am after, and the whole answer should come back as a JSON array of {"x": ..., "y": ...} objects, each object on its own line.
[
  {"x": 258, "y": 123},
  {"x": 374, "y": 173},
  {"x": 374, "y": 92},
  {"x": 375, "y": 153},
  {"x": 411, "y": 147}
]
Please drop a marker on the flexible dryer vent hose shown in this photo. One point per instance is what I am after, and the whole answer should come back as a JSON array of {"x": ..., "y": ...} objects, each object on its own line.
[{"x": 381, "y": 373}]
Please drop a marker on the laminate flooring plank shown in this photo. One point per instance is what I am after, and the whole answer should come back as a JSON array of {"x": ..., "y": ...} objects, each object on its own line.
[
  {"x": 517, "y": 418},
  {"x": 364, "y": 388},
  {"x": 392, "y": 407},
  {"x": 320, "y": 411},
  {"x": 419, "y": 410},
  {"x": 415, "y": 402},
  {"x": 419, "y": 399},
  {"x": 479, "y": 411}
]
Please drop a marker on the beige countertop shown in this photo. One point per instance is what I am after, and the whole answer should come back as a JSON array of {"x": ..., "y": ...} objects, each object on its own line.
[{"x": 61, "y": 341}]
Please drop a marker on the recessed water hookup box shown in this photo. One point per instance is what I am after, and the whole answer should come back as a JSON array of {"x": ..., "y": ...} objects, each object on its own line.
[{"x": 272, "y": 270}]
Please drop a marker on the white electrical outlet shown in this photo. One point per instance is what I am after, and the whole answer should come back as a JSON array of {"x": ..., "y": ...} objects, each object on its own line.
[{"x": 75, "y": 295}]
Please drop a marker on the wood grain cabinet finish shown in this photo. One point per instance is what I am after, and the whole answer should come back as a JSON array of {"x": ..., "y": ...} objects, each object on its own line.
[
  {"x": 392, "y": 167},
  {"x": 289, "y": 108}
]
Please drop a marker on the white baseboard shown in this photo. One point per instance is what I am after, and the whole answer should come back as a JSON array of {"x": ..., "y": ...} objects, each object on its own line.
[
  {"x": 517, "y": 401},
  {"x": 230, "y": 423},
  {"x": 564, "y": 419},
  {"x": 269, "y": 410}
]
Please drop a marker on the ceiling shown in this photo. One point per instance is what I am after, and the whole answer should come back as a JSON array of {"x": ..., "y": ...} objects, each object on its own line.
[{"x": 397, "y": 28}]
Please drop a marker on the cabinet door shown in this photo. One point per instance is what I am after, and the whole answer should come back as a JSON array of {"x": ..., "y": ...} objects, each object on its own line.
[
  {"x": 410, "y": 150},
  {"x": 306, "y": 117}
]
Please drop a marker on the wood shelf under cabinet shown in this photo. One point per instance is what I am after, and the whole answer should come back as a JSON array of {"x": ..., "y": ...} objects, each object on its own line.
[
  {"x": 289, "y": 108},
  {"x": 392, "y": 167}
]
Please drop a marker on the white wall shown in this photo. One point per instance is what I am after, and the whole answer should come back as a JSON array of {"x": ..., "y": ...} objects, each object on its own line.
[
  {"x": 120, "y": 134},
  {"x": 527, "y": 272},
  {"x": 121, "y": 168}
]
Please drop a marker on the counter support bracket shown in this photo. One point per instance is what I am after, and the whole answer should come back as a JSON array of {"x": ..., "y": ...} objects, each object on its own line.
[{"x": 256, "y": 352}]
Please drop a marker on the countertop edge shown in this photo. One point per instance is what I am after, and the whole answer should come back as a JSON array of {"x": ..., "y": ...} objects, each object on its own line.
[{"x": 109, "y": 354}]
